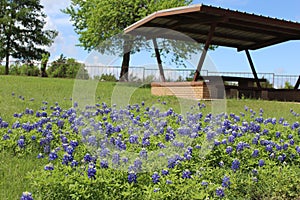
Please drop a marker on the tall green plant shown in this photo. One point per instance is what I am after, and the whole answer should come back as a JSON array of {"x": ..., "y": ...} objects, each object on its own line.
[
  {"x": 96, "y": 21},
  {"x": 22, "y": 33}
]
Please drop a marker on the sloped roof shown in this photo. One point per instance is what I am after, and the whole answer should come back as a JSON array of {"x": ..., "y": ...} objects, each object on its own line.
[{"x": 232, "y": 28}]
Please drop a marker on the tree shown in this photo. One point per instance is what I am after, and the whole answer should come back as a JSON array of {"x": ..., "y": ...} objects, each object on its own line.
[
  {"x": 45, "y": 58},
  {"x": 96, "y": 21},
  {"x": 67, "y": 68},
  {"x": 22, "y": 33}
]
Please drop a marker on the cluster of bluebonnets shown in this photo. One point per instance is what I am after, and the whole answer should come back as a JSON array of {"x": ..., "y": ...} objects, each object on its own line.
[{"x": 154, "y": 147}]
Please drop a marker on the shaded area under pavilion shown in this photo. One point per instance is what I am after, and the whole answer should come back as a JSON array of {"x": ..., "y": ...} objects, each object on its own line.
[{"x": 210, "y": 25}]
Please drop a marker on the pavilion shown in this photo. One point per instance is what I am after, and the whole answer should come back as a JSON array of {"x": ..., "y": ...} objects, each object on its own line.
[{"x": 210, "y": 25}]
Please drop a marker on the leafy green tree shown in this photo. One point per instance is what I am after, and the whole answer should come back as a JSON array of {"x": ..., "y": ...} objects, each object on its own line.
[
  {"x": 22, "y": 33},
  {"x": 288, "y": 85},
  {"x": 96, "y": 21},
  {"x": 67, "y": 68}
]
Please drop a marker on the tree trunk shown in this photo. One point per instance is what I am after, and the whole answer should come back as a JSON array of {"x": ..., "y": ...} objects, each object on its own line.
[
  {"x": 7, "y": 63},
  {"x": 125, "y": 67},
  {"x": 43, "y": 69},
  {"x": 126, "y": 59}
]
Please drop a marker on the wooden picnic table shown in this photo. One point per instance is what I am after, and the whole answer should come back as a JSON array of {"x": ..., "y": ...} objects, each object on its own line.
[{"x": 243, "y": 82}]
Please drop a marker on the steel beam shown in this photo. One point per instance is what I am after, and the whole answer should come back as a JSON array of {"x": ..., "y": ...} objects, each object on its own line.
[
  {"x": 253, "y": 68},
  {"x": 159, "y": 63},
  {"x": 203, "y": 55}
]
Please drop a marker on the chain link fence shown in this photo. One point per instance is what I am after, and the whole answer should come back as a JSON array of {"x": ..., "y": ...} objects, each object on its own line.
[{"x": 145, "y": 74}]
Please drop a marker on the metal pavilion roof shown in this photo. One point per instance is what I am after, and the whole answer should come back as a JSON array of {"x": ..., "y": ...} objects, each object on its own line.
[{"x": 235, "y": 29}]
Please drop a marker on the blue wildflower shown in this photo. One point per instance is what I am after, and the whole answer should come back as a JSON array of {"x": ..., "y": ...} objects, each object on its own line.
[
  {"x": 155, "y": 177},
  {"x": 49, "y": 167},
  {"x": 103, "y": 164},
  {"x": 235, "y": 165},
  {"x": 21, "y": 143},
  {"x": 164, "y": 172},
  {"x": 132, "y": 177},
  {"x": 91, "y": 171},
  {"x": 186, "y": 174},
  {"x": 226, "y": 181},
  {"x": 229, "y": 149},
  {"x": 261, "y": 162},
  {"x": 255, "y": 153},
  {"x": 26, "y": 196},
  {"x": 220, "y": 192},
  {"x": 74, "y": 163}
]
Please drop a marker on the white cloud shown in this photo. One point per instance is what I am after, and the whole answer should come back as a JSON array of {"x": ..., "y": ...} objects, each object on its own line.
[{"x": 65, "y": 42}]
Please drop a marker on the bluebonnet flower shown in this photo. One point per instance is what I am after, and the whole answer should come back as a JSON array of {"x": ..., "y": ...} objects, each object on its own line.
[
  {"x": 255, "y": 172},
  {"x": 298, "y": 149},
  {"x": 5, "y": 137},
  {"x": 116, "y": 158},
  {"x": 73, "y": 143},
  {"x": 53, "y": 155},
  {"x": 282, "y": 157},
  {"x": 91, "y": 171},
  {"x": 87, "y": 158},
  {"x": 231, "y": 139},
  {"x": 137, "y": 164},
  {"x": 221, "y": 164},
  {"x": 74, "y": 163},
  {"x": 103, "y": 164},
  {"x": 292, "y": 142},
  {"x": 186, "y": 174},
  {"x": 21, "y": 143},
  {"x": 229, "y": 149},
  {"x": 156, "y": 189},
  {"x": 47, "y": 149},
  {"x": 261, "y": 162},
  {"x": 155, "y": 177},
  {"x": 235, "y": 165},
  {"x": 277, "y": 134},
  {"x": 168, "y": 181},
  {"x": 220, "y": 192},
  {"x": 70, "y": 149},
  {"x": 145, "y": 142},
  {"x": 132, "y": 177},
  {"x": 204, "y": 183},
  {"x": 66, "y": 159},
  {"x": 164, "y": 172},
  {"x": 49, "y": 167},
  {"x": 143, "y": 153},
  {"x": 285, "y": 146},
  {"x": 40, "y": 155},
  {"x": 26, "y": 196},
  {"x": 255, "y": 153},
  {"x": 224, "y": 141},
  {"x": 226, "y": 181},
  {"x": 269, "y": 148}
]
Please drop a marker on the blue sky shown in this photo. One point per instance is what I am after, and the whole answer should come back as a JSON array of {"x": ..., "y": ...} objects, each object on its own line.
[{"x": 280, "y": 59}]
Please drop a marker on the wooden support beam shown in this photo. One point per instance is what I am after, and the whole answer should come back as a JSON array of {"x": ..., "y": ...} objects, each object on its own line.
[
  {"x": 253, "y": 68},
  {"x": 203, "y": 55},
  {"x": 157, "y": 54},
  {"x": 297, "y": 84}
]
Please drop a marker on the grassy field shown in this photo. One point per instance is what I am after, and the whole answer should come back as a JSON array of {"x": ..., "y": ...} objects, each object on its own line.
[{"x": 19, "y": 93}]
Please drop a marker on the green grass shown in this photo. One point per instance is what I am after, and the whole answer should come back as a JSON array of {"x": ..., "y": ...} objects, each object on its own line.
[{"x": 13, "y": 169}]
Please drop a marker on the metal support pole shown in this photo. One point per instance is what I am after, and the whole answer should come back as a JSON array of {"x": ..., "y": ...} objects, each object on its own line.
[
  {"x": 203, "y": 55},
  {"x": 157, "y": 54},
  {"x": 297, "y": 84},
  {"x": 253, "y": 69}
]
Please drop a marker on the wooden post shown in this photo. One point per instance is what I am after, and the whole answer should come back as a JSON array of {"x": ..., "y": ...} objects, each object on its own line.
[
  {"x": 203, "y": 55},
  {"x": 253, "y": 69},
  {"x": 157, "y": 54}
]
